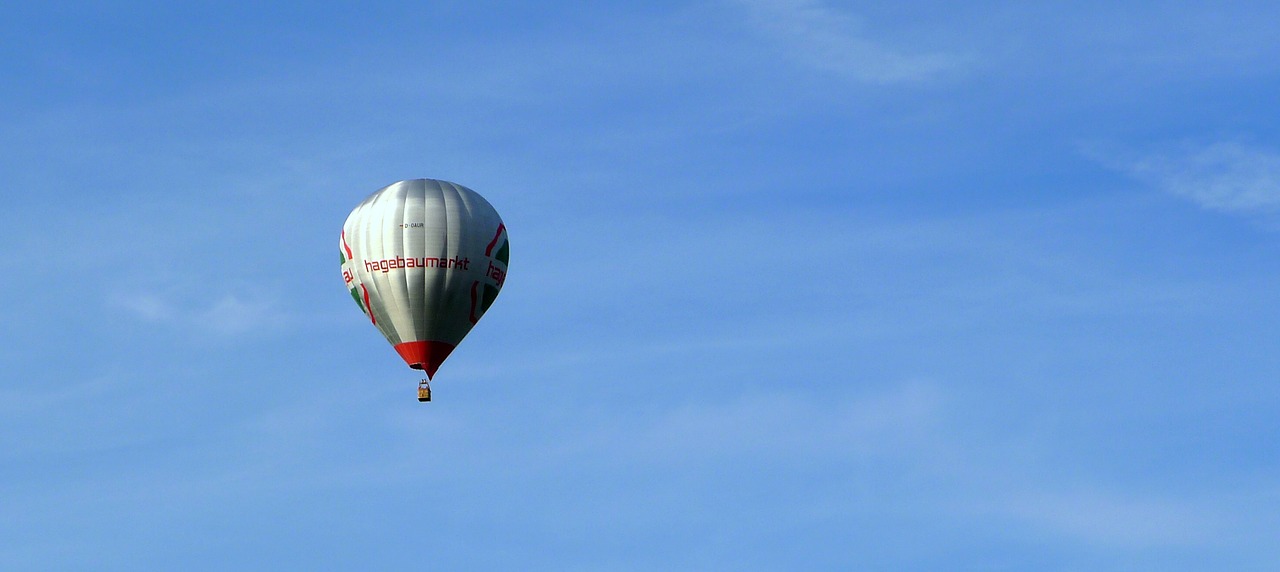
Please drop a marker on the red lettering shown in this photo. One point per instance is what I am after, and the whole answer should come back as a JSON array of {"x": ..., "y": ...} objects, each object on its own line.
[
  {"x": 389, "y": 264},
  {"x": 497, "y": 274}
]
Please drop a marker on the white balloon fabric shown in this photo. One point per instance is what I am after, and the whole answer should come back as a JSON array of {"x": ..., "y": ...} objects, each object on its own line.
[{"x": 424, "y": 259}]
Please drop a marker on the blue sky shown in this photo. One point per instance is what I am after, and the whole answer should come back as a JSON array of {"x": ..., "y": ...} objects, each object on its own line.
[{"x": 794, "y": 285}]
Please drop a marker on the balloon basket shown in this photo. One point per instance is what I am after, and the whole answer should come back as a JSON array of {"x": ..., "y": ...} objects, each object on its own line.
[{"x": 424, "y": 391}]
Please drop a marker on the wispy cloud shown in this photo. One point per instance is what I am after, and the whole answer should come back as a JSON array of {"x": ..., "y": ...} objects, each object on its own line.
[
  {"x": 1110, "y": 519},
  {"x": 232, "y": 315},
  {"x": 147, "y": 307},
  {"x": 1226, "y": 177},
  {"x": 228, "y": 315},
  {"x": 834, "y": 41},
  {"x": 773, "y": 425}
]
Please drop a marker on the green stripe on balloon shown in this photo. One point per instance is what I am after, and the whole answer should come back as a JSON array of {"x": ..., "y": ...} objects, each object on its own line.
[
  {"x": 356, "y": 296},
  {"x": 490, "y": 294},
  {"x": 504, "y": 253}
]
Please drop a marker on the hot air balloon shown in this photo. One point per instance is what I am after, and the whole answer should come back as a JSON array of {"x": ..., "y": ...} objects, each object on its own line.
[{"x": 424, "y": 259}]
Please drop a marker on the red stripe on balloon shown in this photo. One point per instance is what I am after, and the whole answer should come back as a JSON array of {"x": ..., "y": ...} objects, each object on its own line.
[
  {"x": 344, "y": 245},
  {"x": 367, "y": 308},
  {"x": 488, "y": 251}
]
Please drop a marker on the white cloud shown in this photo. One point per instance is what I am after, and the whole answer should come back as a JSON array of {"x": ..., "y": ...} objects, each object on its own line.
[
  {"x": 830, "y": 40},
  {"x": 228, "y": 315},
  {"x": 1108, "y": 519},
  {"x": 231, "y": 315},
  {"x": 1223, "y": 177},
  {"x": 770, "y": 425},
  {"x": 148, "y": 307},
  {"x": 919, "y": 428}
]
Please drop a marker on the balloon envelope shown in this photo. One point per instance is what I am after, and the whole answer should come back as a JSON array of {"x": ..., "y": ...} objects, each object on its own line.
[{"x": 424, "y": 259}]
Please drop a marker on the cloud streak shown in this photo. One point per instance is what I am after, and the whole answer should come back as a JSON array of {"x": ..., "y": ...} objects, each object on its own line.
[
  {"x": 1109, "y": 519},
  {"x": 229, "y": 315},
  {"x": 1225, "y": 177},
  {"x": 830, "y": 40}
]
